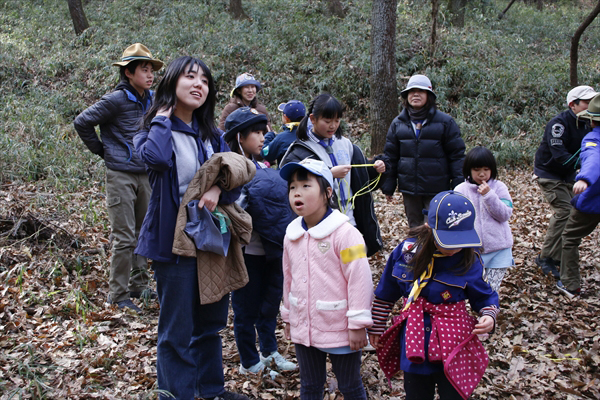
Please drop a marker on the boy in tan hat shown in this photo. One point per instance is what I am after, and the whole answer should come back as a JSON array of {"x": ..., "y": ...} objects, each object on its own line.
[
  {"x": 585, "y": 215},
  {"x": 119, "y": 114},
  {"x": 555, "y": 165}
]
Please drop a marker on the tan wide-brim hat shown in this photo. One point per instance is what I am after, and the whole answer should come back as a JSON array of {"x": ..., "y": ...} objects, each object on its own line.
[
  {"x": 138, "y": 51},
  {"x": 593, "y": 111}
]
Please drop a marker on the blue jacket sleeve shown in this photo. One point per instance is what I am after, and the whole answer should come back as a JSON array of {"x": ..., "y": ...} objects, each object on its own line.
[
  {"x": 590, "y": 160},
  {"x": 479, "y": 292},
  {"x": 388, "y": 288},
  {"x": 155, "y": 146}
]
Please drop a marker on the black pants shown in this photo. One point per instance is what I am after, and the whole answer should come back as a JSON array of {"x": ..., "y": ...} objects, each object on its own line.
[
  {"x": 422, "y": 387},
  {"x": 313, "y": 373}
]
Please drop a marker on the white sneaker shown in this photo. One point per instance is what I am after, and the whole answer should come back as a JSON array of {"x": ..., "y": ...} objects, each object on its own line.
[
  {"x": 255, "y": 369},
  {"x": 280, "y": 361}
]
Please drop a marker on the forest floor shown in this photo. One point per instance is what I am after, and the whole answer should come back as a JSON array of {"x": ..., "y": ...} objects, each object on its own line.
[{"x": 59, "y": 340}]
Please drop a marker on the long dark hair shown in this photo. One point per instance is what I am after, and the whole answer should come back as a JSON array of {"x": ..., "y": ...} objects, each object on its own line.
[
  {"x": 322, "y": 106},
  {"x": 166, "y": 97},
  {"x": 426, "y": 247}
]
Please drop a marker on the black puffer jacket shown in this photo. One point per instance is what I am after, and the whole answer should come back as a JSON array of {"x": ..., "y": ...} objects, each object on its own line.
[
  {"x": 427, "y": 165},
  {"x": 119, "y": 115}
]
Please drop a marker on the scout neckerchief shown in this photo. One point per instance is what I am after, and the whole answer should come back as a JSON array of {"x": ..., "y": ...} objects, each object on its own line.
[
  {"x": 329, "y": 150},
  {"x": 420, "y": 283}
]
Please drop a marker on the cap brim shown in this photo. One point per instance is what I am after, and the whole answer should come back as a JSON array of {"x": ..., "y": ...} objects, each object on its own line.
[
  {"x": 404, "y": 93},
  {"x": 456, "y": 239},
  {"x": 156, "y": 64},
  {"x": 281, "y": 106},
  {"x": 230, "y": 134}
]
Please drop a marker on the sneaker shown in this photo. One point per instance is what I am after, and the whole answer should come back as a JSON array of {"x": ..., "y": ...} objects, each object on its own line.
[
  {"x": 569, "y": 293},
  {"x": 230, "y": 396},
  {"x": 127, "y": 305},
  {"x": 548, "y": 266},
  {"x": 146, "y": 294},
  {"x": 255, "y": 369},
  {"x": 281, "y": 362}
]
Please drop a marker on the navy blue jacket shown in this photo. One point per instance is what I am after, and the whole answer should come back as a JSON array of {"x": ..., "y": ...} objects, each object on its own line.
[
  {"x": 155, "y": 148},
  {"x": 445, "y": 286},
  {"x": 589, "y": 201},
  {"x": 556, "y": 157},
  {"x": 426, "y": 165},
  {"x": 275, "y": 147},
  {"x": 266, "y": 200}
]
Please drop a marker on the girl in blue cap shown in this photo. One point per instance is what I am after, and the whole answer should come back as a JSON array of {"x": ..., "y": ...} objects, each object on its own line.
[
  {"x": 434, "y": 340},
  {"x": 256, "y": 305}
]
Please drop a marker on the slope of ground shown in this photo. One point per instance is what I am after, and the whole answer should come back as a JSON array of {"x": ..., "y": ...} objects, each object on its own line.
[{"x": 59, "y": 340}]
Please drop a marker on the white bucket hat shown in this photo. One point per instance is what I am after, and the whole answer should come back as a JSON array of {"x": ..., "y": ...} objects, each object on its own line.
[{"x": 417, "y": 82}]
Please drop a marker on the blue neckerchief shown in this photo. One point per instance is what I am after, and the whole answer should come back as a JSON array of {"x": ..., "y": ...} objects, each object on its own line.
[
  {"x": 329, "y": 211},
  {"x": 329, "y": 149},
  {"x": 417, "y": 127},
  {"x": 179, "y": 125}
]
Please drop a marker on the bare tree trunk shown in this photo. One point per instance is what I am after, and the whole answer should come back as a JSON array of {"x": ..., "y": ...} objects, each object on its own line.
[
  {"x": 236, "y": 10},
  {"x": 384, "y": 96},
  {"x": 540, "y": 5},
  {"x": 80, "y": 22},
  {"x": 335, "y": 7},
  {"x": 501, "y": 15},
  {"x": 574, "y": 57},
  {"x": 457, "y": 12},
  {"x": 435, "y": 5}
]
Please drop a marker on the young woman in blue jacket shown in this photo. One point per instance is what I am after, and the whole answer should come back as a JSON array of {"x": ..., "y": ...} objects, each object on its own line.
[{"x": 179, "y": 136}]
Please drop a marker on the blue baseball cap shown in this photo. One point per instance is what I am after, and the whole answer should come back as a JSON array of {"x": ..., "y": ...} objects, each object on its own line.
[
  {"x": 293, "y": 109},
  {"x": 316, "y": 167},
  {"x": 451, "y": 216}
]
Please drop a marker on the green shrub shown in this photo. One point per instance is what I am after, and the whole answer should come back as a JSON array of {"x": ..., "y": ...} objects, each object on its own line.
[{"x": 501, "y": 80}]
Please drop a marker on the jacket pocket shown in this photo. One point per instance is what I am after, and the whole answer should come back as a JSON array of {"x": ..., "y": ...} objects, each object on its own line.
[
  {"x": 293, "y": 309},
  {"x": 331, "y": 315}
]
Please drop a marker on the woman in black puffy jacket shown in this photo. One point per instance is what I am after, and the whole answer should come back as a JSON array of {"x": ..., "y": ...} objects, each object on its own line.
[{"x": 424, "y": 149}]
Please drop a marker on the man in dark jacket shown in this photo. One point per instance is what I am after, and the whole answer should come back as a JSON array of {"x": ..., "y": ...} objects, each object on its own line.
[
  {"x": 424, "y": 149},
  {"x": 585, "y": 215},
  {"x": 119, "y": 115},
  {"x": 555, "y": 166}
]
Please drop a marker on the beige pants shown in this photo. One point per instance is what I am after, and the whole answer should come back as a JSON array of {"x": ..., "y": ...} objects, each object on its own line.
[
  {"x": 127, "y": 198},
  {"x": 558, "y": 194}
]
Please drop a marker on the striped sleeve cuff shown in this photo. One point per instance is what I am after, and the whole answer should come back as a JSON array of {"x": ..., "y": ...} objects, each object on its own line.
[
  {"x": 491, "y": 311},
  {"x": 380, "y": 312}
]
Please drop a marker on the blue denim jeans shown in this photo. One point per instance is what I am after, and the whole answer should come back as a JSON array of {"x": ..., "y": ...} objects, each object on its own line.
[
  {"x": 313, "y": 373},
  {"x": 189, "y": 352},
  {"x": 255, "y": 308}
]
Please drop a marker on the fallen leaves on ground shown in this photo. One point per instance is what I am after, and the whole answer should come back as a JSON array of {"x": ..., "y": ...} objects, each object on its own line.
[{"x": 60, "y": 340}]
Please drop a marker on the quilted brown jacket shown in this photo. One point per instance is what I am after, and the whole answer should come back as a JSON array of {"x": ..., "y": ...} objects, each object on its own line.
[{"x": 218, "y": 275}]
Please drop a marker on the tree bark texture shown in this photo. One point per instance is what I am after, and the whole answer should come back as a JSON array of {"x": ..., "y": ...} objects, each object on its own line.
[
  {"x": 384, "y": 96},
  {"x": 80, "y": 22},
  {"x": 435, "y": 6},
  {"x": 236, "y": 10},
  {"x": 457, "y": 12},
  {"x": 574, "y": 56}
]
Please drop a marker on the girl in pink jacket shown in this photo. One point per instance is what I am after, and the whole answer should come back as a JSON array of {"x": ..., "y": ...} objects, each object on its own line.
[
  {"x": 327, "y": 284},
  {"x": 494, "y": 207}
]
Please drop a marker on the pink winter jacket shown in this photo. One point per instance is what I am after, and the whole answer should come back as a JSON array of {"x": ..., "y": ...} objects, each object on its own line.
[
  {"x": 327, "y": 284},
  {"x": 492, "y": 212}
]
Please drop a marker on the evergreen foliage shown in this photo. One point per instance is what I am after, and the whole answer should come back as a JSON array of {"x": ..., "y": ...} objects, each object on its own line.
[{"x": 501, "y": 80}]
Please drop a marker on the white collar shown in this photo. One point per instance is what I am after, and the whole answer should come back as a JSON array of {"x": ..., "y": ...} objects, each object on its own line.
[{"x": 322, "y": 229}]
